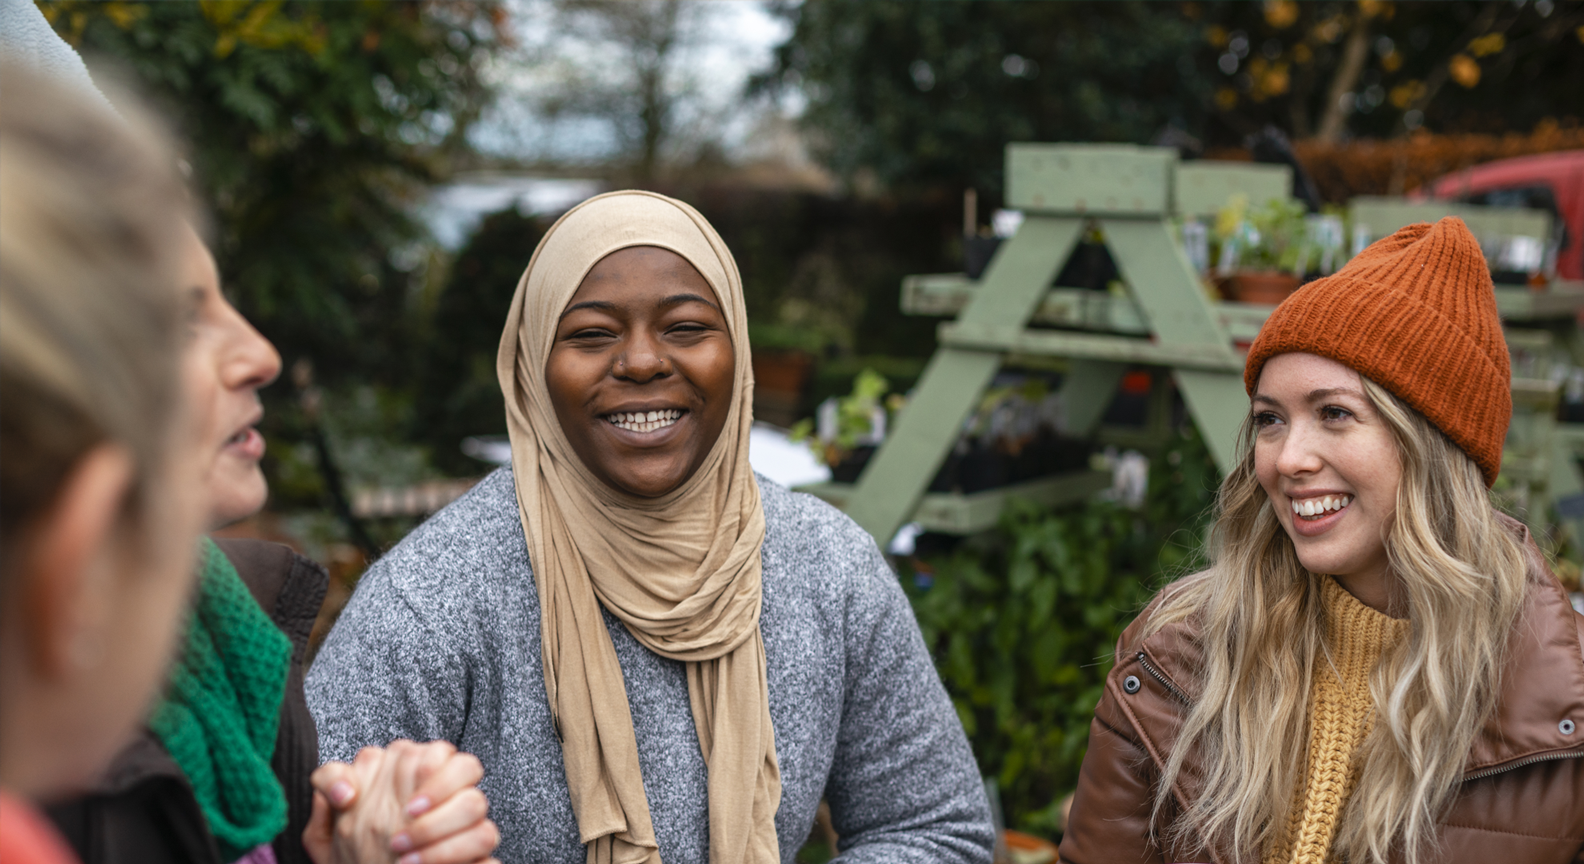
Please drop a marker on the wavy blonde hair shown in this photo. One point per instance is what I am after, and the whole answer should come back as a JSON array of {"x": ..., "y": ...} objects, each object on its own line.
[{"x": 1459, "y": 574}]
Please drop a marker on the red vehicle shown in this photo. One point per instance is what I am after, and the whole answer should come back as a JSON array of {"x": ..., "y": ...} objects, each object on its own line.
[{"x": 1549, "y": 181}]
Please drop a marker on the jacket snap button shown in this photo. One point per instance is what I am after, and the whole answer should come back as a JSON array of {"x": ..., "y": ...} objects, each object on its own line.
[
  {"x": 1565, "y": 727},
  {"x": 1131, "y": 685}
]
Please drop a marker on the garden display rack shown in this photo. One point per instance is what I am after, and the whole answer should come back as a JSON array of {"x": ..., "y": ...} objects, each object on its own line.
[
  {"x": 1131, "y": 194},
  {"x": 1163, "y": 319}
]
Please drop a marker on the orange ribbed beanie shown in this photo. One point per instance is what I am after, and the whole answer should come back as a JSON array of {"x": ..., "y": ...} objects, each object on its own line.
[{"x": 1416, "y": 314}]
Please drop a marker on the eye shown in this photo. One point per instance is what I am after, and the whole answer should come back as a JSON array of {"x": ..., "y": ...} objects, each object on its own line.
[
  {"x": 1265, "y": 419},
  {"x": 1334, "y": 412},
  {"x": 587, "y": 334}
]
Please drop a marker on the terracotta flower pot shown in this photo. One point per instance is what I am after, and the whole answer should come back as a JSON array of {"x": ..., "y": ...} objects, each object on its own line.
[{"x": 1262, "y": 286}]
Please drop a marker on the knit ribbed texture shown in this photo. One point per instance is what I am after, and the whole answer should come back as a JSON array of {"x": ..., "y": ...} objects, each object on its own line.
[
  {"x": 1340, "y": 716},
  {"x": 1416, "y": 314},
  {"x": 219, "y": 717}
]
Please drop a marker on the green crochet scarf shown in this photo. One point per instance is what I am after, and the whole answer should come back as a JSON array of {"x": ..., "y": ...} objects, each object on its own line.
[{"x": 221, "y": 709}]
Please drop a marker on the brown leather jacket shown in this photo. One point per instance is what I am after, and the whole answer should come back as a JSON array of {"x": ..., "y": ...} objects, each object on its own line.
[{"x": 1522, "y": 793}]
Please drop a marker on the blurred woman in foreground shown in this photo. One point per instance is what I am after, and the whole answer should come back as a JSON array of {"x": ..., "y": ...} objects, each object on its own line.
[
  {"x": 100, "y": 499},
  {"x": 1377, "y": 666}
]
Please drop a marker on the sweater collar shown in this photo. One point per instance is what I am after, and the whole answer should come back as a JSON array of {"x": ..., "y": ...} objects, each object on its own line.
[{"x": 1542, "y": 684}]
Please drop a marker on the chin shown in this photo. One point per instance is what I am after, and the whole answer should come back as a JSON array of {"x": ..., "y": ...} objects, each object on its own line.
[{"x": 238, "y": 499}]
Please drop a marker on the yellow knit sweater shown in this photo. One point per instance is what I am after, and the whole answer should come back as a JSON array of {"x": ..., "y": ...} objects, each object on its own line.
[{"x": 1340, "y": 716}]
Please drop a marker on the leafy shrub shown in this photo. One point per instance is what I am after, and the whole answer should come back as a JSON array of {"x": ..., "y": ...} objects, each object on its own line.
[{"x": 1022, "y": 623}]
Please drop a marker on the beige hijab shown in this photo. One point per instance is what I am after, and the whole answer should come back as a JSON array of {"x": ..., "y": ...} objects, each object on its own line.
[{"x": 681, "y": 571}]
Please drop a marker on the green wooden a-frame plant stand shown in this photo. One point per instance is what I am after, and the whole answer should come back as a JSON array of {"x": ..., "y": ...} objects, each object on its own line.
[{"x": 1131, "y": 193}]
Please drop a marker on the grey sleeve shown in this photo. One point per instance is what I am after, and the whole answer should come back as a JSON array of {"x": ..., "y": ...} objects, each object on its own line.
[
  {"x": 904, "y": 786},
  {"x": 384, "y": 674}
]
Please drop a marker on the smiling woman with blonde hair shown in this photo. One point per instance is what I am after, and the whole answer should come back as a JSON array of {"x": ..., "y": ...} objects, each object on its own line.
[
  {"x": 657, "y": 654},
  {"x": 1377, "y": 666}
]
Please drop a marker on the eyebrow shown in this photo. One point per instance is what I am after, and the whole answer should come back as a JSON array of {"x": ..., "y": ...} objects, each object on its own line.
[
  {"x": 602, "y": 305},
  {"x": 673, "y": 300},
  {"x": 1313, "y": 395}
]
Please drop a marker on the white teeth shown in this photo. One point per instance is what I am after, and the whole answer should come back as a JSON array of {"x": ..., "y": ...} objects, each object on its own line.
[
  {"x": 1323, "y": 504},
  {"x": 645, "y": 421}
]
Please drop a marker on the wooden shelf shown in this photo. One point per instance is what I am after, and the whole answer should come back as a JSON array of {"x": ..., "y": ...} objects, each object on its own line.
[
  {"x": 945, "y": 295},
  {"x": 1561, "y": 299},
  {"x": 956, "y": 513}
]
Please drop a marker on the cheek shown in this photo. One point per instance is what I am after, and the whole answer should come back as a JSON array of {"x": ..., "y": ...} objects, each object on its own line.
[
  {"x": 568, "y": 377},
  {"x": 1265, "y": 467},
  {"x": 717, "y": 373}
]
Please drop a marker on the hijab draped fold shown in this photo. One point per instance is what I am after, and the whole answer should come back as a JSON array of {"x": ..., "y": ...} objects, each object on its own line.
[{"x": 681, "y": 571}]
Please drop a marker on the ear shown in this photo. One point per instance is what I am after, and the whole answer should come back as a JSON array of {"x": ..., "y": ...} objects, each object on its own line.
[{"x": 70, "y": 571}]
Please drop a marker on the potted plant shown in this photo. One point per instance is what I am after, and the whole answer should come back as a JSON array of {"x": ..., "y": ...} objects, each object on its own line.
[
  {"x": 1263, "y": 250},
  {"x": 846, "y": 429}
]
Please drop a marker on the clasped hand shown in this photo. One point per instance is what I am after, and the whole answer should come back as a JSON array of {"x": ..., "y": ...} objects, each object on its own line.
[{"x": 407, "y": 803}]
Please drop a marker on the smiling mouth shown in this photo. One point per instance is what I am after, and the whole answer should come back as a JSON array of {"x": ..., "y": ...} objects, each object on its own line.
[
  {"x": 645, "y": 421},
  {"x": 1314, "y": 509}
]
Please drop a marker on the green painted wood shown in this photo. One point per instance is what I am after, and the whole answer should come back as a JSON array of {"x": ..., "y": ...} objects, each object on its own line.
[
  {"x": 1203, "y": 188},
  {"x": 1163, "y": 282},
  {"x": 1383, "y": 215},
  {"x": 946, "y": 294},
  {"x": 891, "y": 485},
  {"x": 1561, "y": 299},
  {"x": 1087, "y": 390},
  {"x": 956, "y": 513},
  {"x": 1218, "y": 404},
  {"x": 1090, "y": 178},
  {"x": 1088, "y": 346}
]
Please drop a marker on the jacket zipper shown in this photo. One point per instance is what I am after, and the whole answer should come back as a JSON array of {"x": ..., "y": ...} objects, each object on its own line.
[
  {"x": 1521, "y": 763},
  {"x": 1158, "y": 676}
]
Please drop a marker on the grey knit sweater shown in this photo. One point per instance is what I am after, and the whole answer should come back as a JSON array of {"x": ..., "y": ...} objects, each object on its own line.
[{"x": 441, "y": 640}]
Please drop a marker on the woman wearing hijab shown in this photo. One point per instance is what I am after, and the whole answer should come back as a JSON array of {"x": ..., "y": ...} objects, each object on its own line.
[{"x": 656, "y": 654}]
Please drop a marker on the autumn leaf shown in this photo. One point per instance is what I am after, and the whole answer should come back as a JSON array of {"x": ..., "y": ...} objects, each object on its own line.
[{"x": 1465, "y": 70}]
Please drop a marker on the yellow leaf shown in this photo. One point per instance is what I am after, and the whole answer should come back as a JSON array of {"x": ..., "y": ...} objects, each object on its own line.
[
  {"x": 224, "y": 45},
  {"x": 1405, "y": 93},
  {"x": 1216, "y": 35},
  {"x": 1490, "y": 43},
  {"x": 1281, "y": 14},
  {"x": 1276, "y": 82},
  {"x": 1465, "y": 70},
  {"x": 1392, "y": 62}
]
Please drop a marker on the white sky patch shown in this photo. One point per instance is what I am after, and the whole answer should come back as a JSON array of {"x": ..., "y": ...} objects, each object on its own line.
[{"x": 734, "y": 40}]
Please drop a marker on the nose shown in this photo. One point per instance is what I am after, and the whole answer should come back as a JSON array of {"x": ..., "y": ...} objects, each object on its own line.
[
  {"x": 1298, "y": 455},
  {"x": 250, "y": 361},
  {"x": 642, "y": 360}
]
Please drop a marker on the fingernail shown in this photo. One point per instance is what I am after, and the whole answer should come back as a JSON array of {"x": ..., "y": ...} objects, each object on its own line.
[
  {"x": 401, "y": 843},
  {"x": 341, "y": 792},
  {"x": 418, "y": 806},
  {"x": 410, "y": 858}
]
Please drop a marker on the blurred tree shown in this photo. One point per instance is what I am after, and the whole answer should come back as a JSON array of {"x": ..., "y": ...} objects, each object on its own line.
[
  {"x": 623, "y": 64},
  {"x": 931, "y": 93},
  {"x": 457, "y": 392},
  {"x": 312, "y": 127}
]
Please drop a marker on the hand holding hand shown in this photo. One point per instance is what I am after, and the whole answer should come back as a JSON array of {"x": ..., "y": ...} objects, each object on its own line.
[{"x": 419, "y": 801}]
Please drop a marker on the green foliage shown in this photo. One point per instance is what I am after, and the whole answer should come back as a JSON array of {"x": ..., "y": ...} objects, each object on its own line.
[
  {"x": 1267, "y": 237},
  {"x": 1022, "y": 624},
  {"x": 931, "y": 92},
  {"x": 311, "y": 126},
  {"x": 855, "y": 414},
  {"x": 457, "y": 392}
]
